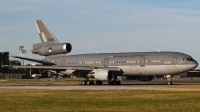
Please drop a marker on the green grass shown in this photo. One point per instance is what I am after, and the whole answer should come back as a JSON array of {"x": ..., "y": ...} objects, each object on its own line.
[
  {"x": 40, "y": 82},
  {"x": 115, "y": 100}
]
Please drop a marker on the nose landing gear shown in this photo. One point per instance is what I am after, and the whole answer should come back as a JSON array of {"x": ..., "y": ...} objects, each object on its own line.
[
  {"x": 169, "y": 83},
  {"x": 169, "y": 80}
]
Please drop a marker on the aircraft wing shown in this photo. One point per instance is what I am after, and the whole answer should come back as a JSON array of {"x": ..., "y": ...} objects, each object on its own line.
[
  {"x": 54, "y": 67},
  {"x": 85, "y": 68},
  {"x": 35, "y": 60},
  {"x": 59, "y": 67}
]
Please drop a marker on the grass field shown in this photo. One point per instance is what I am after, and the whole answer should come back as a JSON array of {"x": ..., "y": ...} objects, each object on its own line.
[
  {"x": 40, "y": 82},
  {"x": 171, "y": 100}
]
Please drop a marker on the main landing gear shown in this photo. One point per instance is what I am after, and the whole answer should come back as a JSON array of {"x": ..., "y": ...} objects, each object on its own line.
[
  {"x": 114, "y": 82},
  {"x": 89, "y": 82}
]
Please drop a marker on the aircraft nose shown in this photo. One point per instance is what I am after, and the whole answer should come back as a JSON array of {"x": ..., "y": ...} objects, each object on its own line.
[
  {"x": 192, "y": 65},
  {"x": 196, "y": 64}
]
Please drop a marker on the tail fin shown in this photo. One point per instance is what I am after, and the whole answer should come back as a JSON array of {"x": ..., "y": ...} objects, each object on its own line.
[
  {"x": 47, "y": 41},
  {"x": 44, "y": 33}
]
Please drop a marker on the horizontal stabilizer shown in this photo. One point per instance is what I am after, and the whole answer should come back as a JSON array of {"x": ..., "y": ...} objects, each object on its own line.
[{"x": 35, "y": 60}]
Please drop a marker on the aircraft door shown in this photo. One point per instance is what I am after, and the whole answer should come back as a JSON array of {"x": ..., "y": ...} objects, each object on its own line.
[
  {"x": 63, "y": 62},
  {"x": 175, "y": 61},
  {"x": 142, "y": 63},
  {"x": 106, "y": 62},
  {"x": 141, "y": 68}
]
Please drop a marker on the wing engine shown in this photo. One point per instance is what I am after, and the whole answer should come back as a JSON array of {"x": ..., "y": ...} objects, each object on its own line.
[{"x": 103, "y": 75}]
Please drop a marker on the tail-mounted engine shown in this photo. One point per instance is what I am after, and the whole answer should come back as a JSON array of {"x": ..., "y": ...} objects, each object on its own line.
[{"x": 52, "y": 49}]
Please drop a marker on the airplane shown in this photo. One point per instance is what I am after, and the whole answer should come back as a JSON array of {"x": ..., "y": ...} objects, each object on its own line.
[{"x": 105, "y": 66}]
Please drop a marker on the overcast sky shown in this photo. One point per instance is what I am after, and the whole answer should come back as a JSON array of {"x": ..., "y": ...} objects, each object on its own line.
[{"x": 104, "y": 25}]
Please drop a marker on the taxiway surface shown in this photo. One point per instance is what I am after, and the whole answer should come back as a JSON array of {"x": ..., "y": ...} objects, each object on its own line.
[{"x": 102, "y": 87}]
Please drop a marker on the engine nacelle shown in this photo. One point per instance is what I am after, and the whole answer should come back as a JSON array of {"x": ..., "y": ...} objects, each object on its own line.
[
  {"x": 144, "y": 78},
  {"x": 103, "y": 75},
  {"x": 52, "y": 49}
]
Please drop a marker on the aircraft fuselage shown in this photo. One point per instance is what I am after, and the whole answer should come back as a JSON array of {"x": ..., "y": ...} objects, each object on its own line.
[{"x": 133, "y": 63}]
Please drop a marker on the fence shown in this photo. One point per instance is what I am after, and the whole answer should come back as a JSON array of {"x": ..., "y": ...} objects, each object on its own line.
[{"x": 10, "y": 76}]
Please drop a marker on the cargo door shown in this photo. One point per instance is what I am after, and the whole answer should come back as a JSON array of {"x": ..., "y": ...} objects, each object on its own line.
[{"x": 63, "y": 63}]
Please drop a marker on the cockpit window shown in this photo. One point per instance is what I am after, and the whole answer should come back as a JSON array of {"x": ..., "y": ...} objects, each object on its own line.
[{"x": 190, "y": 59}]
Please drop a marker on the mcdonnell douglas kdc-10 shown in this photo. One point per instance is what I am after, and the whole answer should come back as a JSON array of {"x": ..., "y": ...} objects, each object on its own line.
[{"x": 105, "y": 66}]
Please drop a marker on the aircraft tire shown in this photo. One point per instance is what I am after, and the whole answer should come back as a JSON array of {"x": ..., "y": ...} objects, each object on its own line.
[
  {"x": 98, "y": 82},
  {"x": 118, "y": 82},
  {"x": 110, "y": 82},
  {"x": 91, "y": 82},
  {"x": 114, "y": 82},
  {"x": 83, "y": 82},
  {"x": 87, "y": 82},
  {"x": 169, "y": 83}
]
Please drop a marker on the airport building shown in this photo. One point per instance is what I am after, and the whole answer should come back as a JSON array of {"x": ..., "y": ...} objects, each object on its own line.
[
  {"x": 4, "y": 62},
  {"x": 193, "y": 73},
  {"x": 5, "y": 70}
]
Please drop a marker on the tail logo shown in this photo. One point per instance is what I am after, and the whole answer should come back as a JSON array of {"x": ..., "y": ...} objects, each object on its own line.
[{"x": 49, "y": 49}]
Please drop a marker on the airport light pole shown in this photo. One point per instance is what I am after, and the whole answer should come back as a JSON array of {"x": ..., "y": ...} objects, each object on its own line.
[
  {"x": 30, "y": 61},
  {"x": 21, "y": 49},
  {"x": 22, "y": 52}
]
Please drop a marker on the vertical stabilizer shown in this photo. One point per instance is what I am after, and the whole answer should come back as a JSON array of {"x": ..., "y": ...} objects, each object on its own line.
[{"x": 44, "y": 33}]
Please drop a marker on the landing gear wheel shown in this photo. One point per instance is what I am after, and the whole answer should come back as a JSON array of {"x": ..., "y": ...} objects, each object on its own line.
[
  {"x": 98, "y": 82},
  {"x": 83, "y": 82},
  {"x": 91, "y": 82},
  {"x": 87, "y": 82},
  {"x": 114, "y": 82},
  {"x": 118, "y": 82},
  {"x": 169, "y": 83},
  {"x": 110, "y": 82}
]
